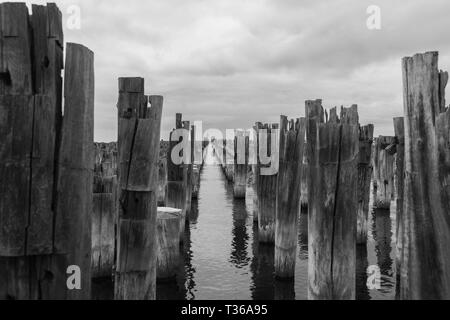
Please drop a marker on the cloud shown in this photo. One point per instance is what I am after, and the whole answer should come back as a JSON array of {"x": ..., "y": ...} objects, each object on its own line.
[{"x": 231, "y": 63}]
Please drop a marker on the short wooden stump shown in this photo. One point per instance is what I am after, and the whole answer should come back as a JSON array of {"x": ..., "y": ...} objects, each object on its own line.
[{"x": 168, "y": 234}]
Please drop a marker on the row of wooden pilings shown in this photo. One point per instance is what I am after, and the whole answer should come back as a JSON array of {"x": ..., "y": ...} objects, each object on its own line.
[
  {"x": 174, "y": 187},
  {"x": 72, "y": 210},
  {"x": 333, "y": 159},
  {"x": 51, "y": 242}
]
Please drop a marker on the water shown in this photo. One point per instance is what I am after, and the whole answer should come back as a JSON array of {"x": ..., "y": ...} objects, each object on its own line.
[{"x": 223, "y": 260}]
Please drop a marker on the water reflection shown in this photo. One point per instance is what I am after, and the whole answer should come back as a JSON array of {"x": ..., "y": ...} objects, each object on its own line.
[
  {"x": 262, "y": 268},
  {"x": 382, "y": 235},
  {"x": 362, "y": 263},
  {"x": 303, "y": 235},
  {"x": 239, "y": 242}
]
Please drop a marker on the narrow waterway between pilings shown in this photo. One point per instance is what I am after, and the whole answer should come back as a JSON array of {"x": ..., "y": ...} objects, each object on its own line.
[{"x": 223, "y": 260}]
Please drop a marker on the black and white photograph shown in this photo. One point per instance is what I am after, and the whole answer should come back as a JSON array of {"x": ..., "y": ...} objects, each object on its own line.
[{"x": 220, "y": 157}]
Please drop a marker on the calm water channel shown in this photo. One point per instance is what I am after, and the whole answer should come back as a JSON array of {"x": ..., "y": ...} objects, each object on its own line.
[{"x": 223, "y": 260}]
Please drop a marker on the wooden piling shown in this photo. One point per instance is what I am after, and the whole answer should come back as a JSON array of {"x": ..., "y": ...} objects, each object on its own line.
[
  {"x": 333, "y": 205},
  {"x": 267, "y": 185},
  {"x": 241, "y": 143},
  {"x": 399, "y": 129},
  {"x": 314, "y": 114},
  {"x": 255, "y": 173},
  {"x": 195, "y": 165},
  {"x": 383, "y": 170},
  {"x": 176, "y": 185},
  {"x": 104, "y": 217},
  {"x": 30, "y": 129},
  {"x": 350, "y": 116},
  {"x": 304, "y": 182},
  {"x": 255, "y": 193},
  {"x": 195, "y": 181},
  {"x": 104, "y": 213},
  {"x": 76, "y": 164},
  {"x": 229, "y": 160},
  {"x": 105, "y": 159},
  {"x": 364, "y": 177},
  {"x": 188, "y": 169},
  {"x": 425, "y": 266},
  {"x": 168, "y": 233},
  {"x": 162, "y": 181},
  {"x": 291, "y": 148},
  {"x": 138, "y": 144}
]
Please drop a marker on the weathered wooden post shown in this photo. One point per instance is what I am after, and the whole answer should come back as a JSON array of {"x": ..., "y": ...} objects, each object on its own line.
[
  {"x": 241, "y": 143},
  {"x": 28, "y": 149},
  {"x": 138, "y": 144},
  {"x": 104, "y": 213},
  {"x": 350, "y": 116},
  {"x": 255, "y": 174},
  {"x": 195, "y": 181},
  {"x": 76, "y": 164},
  {"x": 103, "y": 226},
  {"x": 188, "y": 169},
  {"x": 425, "y": 266},
  {"x": 364, "y": 177},
  {"x": 196, "y": 152},
  {"x": 162, "y": 180},
  {"x": 399, "y": 129},
  {"x": 105, "y": 159},
  {"x": 162, "y": 172},
  {"x": 383, "y": 163},
  {"x": 314, "y": 114},
  {"x": 176, "y": 186},
  {"x": 168, "y": 233},
  {"x": 229, "y": 163},
  {"x": 46, "y": 162},
  {"x": 333, "y": 205},
  {"x": 267, "y": 181},
  {"x": 288, "y": 195},
  {"x": 224, "y": 157},
  {"x": 304, "y": 182}
]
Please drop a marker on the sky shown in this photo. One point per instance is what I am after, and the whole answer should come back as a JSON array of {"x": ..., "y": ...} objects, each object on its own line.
[{"x": 231, "y": 63}]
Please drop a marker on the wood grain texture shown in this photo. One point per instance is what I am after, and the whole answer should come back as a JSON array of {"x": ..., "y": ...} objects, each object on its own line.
[
  {"x": 16, "y": 134},
  {"x": 333, "y": 204},
  {"x": 105, "y": 210},
  {"x": 267, "y": 185},
  {"x": 16, "y": 76},
  {"x": 314, "y": 114},
  {"x": 364, "y": 178},
  {"x": 75, "y": 168},
  {"x": 288, "y": 195},
  {"x": 176, "y": 196},
  {"x": 177, "y": 200},
  {"x": 399, "y": 129},
  {"x": 383, "y": 164},
  {"x": 139, "y": 148},
  {"x": 103, "y": 234},
  {"x": 105, "y": 159},
  {"x": 425, "y": 264},
  {"x": 168, "y": 230},
  {"x": 162, "y": 180},
  {"x": 41, "y": 214},
  {"x": 188, "y": 167}
]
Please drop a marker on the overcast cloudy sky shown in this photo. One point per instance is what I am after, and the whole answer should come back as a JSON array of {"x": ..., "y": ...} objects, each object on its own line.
[{"x": 233, "y": 62}]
